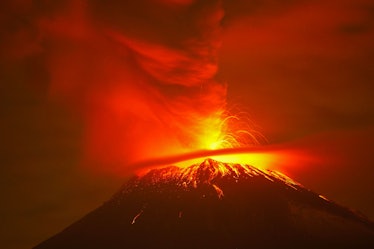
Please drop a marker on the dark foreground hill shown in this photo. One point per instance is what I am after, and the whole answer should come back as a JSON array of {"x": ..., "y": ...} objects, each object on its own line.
[{"x": 215, "y": 205}]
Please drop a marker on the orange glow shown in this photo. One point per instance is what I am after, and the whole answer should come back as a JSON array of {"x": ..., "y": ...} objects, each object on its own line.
[
  {"x": 260, "y": 160},
  {"x": 261, "y": 157}
]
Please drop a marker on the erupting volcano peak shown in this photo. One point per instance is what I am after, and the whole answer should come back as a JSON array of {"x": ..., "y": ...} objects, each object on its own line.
[
  {"x": 216, "y": 205},
  {"x": 210, "y": 171}
]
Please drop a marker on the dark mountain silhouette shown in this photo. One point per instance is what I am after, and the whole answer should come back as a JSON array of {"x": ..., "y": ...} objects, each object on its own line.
[{"x": 216, "y": 205}]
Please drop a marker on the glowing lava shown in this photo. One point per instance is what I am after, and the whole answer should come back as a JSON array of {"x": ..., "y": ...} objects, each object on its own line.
[
  {"x": 262, "y": 157},
  {"x": 222, "y": 137},
  {"x": 227, "y": 131}
]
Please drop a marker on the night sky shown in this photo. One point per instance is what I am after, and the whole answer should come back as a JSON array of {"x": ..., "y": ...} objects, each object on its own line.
[{"x": 302, "y": 70}]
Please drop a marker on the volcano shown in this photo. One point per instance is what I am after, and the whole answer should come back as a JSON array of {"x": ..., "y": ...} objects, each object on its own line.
[{"x": 216, "y": 205}]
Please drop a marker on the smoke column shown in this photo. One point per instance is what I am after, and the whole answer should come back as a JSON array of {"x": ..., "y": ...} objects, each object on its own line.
[{"x": 140, "y": 73}]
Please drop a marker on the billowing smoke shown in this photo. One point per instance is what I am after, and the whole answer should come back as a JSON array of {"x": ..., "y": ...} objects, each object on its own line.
[{"x": 141, "y": 73}]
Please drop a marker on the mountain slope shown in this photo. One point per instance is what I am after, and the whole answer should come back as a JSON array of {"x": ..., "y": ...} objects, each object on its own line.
[{"x": 216, "y": 205}]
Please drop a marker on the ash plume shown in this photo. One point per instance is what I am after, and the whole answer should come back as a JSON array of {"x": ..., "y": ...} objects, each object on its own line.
[{"x": 140, "y": 73}]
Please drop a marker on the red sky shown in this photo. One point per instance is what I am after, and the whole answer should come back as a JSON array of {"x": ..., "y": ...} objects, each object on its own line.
[{"x": 302, "y": 70}]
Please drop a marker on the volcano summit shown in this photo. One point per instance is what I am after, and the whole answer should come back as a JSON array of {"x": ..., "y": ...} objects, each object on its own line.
[{"x": 216, "y": 205}]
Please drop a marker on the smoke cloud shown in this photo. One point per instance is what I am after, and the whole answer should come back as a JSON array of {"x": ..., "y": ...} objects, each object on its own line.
[{"x": 141, "y": 73}]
